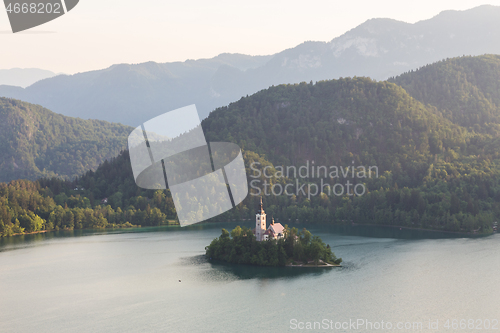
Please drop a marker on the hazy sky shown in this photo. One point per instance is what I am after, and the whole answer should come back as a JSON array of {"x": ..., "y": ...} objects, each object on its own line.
[{"x": 99, "y": 33}]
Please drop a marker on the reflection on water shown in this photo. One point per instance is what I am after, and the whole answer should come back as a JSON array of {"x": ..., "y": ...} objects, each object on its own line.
[
  {"x": 372, "y": 231},
  {"x": 246, "y": 272},
  {"x": 392, "y": 232},
  {"x": 23, "y": 241}
]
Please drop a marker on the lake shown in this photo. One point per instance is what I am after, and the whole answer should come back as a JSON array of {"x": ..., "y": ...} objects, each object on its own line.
[{"x": 128, "y": 281}]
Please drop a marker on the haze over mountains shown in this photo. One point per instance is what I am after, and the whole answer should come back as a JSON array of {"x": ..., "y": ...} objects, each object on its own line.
[
  {"x": 378, "y": 48},
  {"x": 23, "y": 77}
]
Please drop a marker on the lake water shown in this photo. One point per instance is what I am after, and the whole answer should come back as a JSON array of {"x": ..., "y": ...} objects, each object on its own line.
[{"x": 128, "y": 281}]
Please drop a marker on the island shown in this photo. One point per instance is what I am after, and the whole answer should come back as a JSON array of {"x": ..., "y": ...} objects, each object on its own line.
[{"x": 275, "y": 246}]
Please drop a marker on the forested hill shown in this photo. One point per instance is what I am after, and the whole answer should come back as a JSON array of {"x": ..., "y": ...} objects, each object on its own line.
[
  {"x": 466, "y": 89},
  {"x": 432, "y": 171},
  {"x": 35, "y": 142},
  {"x": 336, "y": 122}
]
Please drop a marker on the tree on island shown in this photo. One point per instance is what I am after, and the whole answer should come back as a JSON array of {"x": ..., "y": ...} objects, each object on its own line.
[{"x": 241, "y": 247}]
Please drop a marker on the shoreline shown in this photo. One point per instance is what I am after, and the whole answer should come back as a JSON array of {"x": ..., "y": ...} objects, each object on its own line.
[
  {"x": 52, "y": 230},
  {"x": 216, "y": 261},
  {"x": 28, "y": 233},
  {"x": 310, "y": 263},
  {"x": 468, "y": 234},
  {"x": 465, "y": 233},
  {"x": 118, "y": 226},
  {"x": 313, "y": 266},
  {"x": 423, "y": 229}
]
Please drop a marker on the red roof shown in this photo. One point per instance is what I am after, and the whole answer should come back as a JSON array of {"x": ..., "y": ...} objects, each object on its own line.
[
  {"x": 269, "y": 232},
  {"x": 277, "y": 228}
]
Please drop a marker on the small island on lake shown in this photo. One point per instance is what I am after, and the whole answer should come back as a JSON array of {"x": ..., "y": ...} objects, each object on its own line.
[{"x": 275, "y": 246}]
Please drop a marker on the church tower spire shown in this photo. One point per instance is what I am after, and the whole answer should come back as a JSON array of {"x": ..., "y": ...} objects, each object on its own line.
[{"x": 260, "y": 222}]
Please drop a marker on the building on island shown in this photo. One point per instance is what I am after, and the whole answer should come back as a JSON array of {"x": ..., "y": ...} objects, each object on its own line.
[{"x": 275, "y": 230}]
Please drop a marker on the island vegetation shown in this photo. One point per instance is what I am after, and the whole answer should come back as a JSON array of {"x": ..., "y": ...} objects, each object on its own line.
[{"x": 294, "y": 249}]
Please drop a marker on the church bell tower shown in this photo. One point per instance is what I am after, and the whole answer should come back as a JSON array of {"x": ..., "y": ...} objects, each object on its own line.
[{"x": 260, "y": 223}]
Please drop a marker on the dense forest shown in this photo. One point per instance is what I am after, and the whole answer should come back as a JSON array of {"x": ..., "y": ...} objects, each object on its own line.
[
  {"x": 433, "y": 173},
  {"x": 437, "y": 159},
  {"x": 51, "y": 204},
  {"x": 296, "y": 248},
  {"x": 36, "y": 142},
  {"x": 466, "y": 90}
]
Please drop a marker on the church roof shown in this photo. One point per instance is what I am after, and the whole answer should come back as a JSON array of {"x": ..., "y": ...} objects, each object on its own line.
[
  {"x": 277, "y": 228},
  {"x": 269, "y": 232}
]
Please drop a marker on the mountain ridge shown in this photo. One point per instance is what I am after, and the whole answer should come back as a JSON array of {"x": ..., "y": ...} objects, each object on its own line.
[
  {"x": 466, "y": 89},
  {"x": 36, "y": 142},
  {"x": 23, "y": 77},
  {"x": 378, "y": 48}
]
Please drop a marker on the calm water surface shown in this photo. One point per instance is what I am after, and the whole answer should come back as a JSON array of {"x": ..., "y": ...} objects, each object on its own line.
[{"x": 128, "y": 281}]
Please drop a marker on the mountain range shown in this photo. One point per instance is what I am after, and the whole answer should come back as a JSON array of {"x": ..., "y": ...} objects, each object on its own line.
[
  {"x": 23, "y": 77},
  {"x": 432, "y": 133},
  {"x": 379, "y": 48},
  {"x": 400, "y": 124},
  {"x": 435, "y": 168}
]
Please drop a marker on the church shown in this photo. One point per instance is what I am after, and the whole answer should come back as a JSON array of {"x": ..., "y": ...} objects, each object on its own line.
[{"x": 275, "y": 230}]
